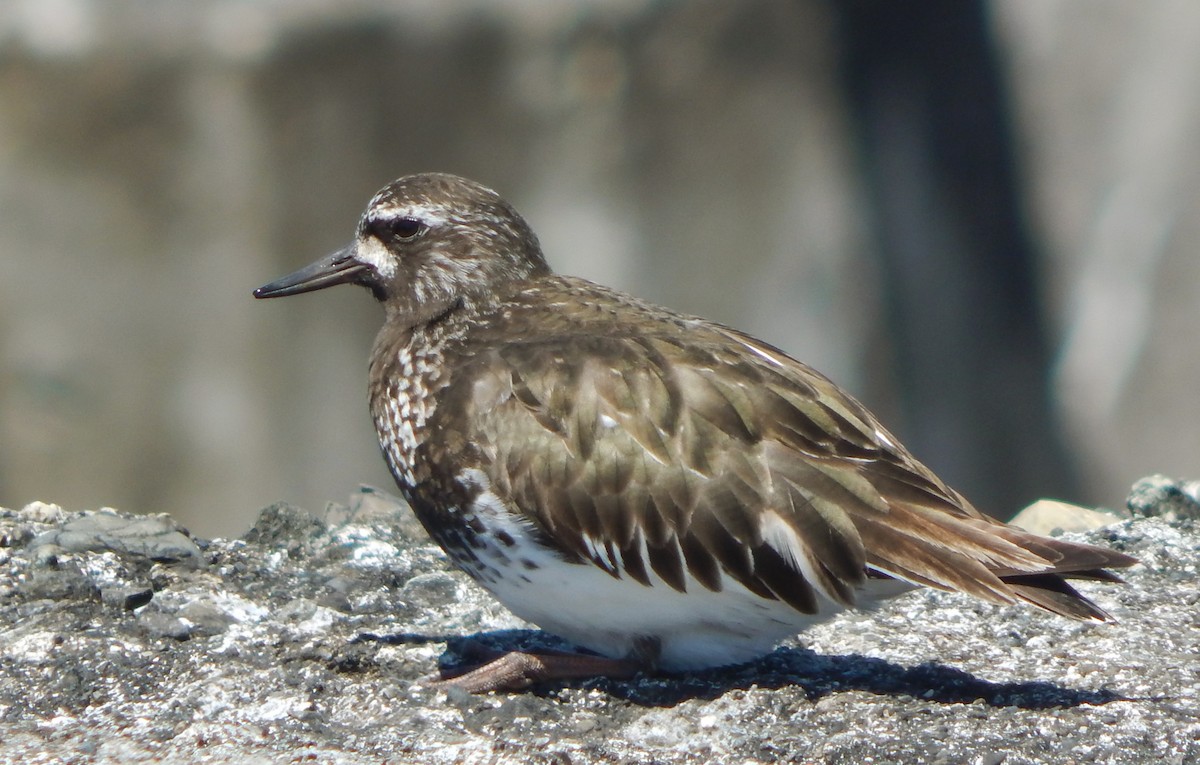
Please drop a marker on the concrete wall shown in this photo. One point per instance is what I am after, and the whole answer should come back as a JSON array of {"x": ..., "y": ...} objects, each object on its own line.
[{"x": 158, "y": 161}]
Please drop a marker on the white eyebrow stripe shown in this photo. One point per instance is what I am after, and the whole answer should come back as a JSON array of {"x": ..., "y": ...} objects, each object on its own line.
[{"x": 429, "y": 214}]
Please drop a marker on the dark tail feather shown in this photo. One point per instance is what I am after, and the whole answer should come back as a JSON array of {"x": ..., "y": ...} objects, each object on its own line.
[{"x": 1055, "y": 594}]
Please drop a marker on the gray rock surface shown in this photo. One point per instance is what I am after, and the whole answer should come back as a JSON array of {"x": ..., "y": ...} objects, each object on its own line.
[
  {"x": 1163, "y": 497},
  {"x": 307, "y": 640}
]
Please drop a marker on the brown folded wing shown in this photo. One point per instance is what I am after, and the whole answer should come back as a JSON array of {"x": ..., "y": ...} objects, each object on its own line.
[{"x": 695, "y": 458}]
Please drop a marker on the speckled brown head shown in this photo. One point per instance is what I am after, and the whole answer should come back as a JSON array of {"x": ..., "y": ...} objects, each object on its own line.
[{"x": 425, "y": 243}]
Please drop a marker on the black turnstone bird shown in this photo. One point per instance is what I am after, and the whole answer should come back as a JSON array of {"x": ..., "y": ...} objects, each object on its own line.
[{"x": 660, "y": 489}]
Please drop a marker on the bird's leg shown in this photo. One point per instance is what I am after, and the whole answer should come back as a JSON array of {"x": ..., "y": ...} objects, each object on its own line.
[{"x": 517, "y": 670}]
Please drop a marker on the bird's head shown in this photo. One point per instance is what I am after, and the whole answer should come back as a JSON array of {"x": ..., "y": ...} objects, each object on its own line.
[{"x": 425, "y": 243}]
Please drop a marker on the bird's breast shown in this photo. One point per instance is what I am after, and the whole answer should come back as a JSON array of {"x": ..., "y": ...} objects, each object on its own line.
[{"x": 405, "y": 379}]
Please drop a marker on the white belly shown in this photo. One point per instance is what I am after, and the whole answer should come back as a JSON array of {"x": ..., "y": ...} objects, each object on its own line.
[{"x": 694, "y": 629}]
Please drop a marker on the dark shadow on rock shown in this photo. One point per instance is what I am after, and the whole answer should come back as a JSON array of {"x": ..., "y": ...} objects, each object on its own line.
[
  {"x": 815, "y": 674},
  {"x": 821, "y": 675}
]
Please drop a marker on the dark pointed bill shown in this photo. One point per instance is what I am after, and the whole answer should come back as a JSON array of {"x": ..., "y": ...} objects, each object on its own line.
[{"x": 337, "y": 268}]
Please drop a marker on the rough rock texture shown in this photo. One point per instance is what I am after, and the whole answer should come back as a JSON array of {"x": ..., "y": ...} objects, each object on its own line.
[{"x": 124, "y": 640}]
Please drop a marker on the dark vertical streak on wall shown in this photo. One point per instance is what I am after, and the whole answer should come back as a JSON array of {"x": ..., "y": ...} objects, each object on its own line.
[{"x": 963, "y": 316}]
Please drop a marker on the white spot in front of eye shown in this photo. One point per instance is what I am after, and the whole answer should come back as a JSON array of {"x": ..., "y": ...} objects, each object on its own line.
[{"x": 372, "y": 252}]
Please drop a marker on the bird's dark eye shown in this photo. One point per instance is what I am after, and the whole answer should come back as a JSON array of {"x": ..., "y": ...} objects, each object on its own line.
[{"x": 405, "y": 228}]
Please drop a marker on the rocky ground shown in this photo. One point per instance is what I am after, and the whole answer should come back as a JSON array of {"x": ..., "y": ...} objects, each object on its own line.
[{"x": 123, "y": 639}]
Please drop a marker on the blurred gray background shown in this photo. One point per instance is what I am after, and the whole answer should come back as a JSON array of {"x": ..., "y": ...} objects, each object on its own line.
[{"x": 981, "y": 218}]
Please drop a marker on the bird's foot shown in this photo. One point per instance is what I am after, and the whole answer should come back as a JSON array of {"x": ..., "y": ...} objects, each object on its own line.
[{"x": 517, "y": 670}]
